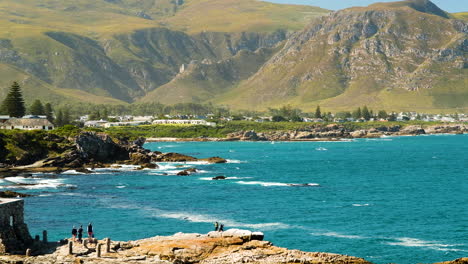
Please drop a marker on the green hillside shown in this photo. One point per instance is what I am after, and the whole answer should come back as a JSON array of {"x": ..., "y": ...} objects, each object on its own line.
[
  {"x": 387, "y": 56},
  {"x": 461, "y": 15},
  {"x": 116, "y": 51}
]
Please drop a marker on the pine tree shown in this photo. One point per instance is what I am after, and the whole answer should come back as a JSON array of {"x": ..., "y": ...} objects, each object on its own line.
[
  {"x": 318, "y": 113},
  {"x": 59, "y": 118},
  {"x": 357, "y": 114},
  {"x": 37, "y": 108},
  {"x": 49, "y": 112},
  {"x": 365, "y": 113},
  {"x": 382, "y": 114},
  {"x": 13, "y": 104},
  {"x": 66, "y": 117}
]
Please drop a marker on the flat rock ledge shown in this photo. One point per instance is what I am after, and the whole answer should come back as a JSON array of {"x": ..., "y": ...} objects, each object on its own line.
[{"x": 230, "y": 246}]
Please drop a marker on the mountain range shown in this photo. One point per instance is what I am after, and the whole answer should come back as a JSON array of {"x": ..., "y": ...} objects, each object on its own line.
[{"x": 246, "y": 54}]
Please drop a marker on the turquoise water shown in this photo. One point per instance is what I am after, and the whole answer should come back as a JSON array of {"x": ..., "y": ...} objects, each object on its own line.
[{"x": 401, "y": 199}]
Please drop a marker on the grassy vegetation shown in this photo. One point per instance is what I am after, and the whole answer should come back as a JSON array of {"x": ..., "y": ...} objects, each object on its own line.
[
  {"x": 220, "y": 131},
  {"x": 461, "y": 15},
  {"x": 23, "y": 147}
]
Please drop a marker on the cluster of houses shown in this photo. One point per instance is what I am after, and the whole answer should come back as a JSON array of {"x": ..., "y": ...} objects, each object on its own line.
[
  {"x": 29, "y": 122},
  {"x": 142, "y": 120},
  {"x": 38, "y": 122}
]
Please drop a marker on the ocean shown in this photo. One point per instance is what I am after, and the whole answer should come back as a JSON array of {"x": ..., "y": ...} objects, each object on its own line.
[{"x": 394, "y": 199}]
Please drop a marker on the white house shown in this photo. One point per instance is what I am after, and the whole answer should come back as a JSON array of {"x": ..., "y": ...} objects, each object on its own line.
[
  {"x": 95, "y": 123},
  {"x": 130, "y": 123},
  {"x": 193, "y": 122},
  {"x": 28, "y": 124}
]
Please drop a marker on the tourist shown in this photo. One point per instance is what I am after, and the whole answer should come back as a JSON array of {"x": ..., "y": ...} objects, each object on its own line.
[
  {"x": 221, "y": 228},
  {"x": 216, "y": 224},
  {"x": 80, "y": 234},
  {"x": 74, "y": 232},
  {"x": 90, "y": 231}
]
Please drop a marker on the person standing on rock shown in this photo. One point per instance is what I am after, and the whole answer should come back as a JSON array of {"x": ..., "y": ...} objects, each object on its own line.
[
  {"x": 90, "y": 231},
  {"x": 216, "y": 224},
  {"x": 221, "y": 228},
  {"x": 80, "y": 234},
  {"x": 74, "y": 232}
]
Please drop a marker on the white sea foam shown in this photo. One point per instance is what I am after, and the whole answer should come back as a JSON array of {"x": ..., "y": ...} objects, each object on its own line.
[
  {"x": 164, "y": 167},
  {"x": 197, "y": 218},
  {"x": 338, "y": 235},
  {"x": 358, "y": 205},
  {"x": 321, "y": 149},
  {"x": 266, "y": 184},
  {"x": 414, "y": 242},
  {"x": 120, "y": 186},
  {"x": 35, "y": 183},
  {"x": 234, "y": 161},
  {"x": 273, "y": 184},
  {"x": 72, "y": 172}
]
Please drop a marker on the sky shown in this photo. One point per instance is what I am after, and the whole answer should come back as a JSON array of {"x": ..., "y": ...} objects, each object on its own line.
[{"x": 451, "y": 6}]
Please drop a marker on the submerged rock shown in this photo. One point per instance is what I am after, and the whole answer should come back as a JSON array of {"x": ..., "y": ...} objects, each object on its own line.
[{"x": 219, "y": 178}]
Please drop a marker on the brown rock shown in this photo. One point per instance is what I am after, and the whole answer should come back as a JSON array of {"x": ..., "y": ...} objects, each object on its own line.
[
  {"x": 215, "y": 160},
  {"x": 174, "y": 157}
]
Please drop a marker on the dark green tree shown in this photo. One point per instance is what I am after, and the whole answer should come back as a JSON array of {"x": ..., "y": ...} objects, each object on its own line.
[
  {"x": 365, "y": 113},
  {"x": 59, "y": 118},
  {"x": 382, "y": 114},
  {"x": 278, "y": 118},
  {"x": 318, "y": 113},
  {"x": 49, "y": 112},
  {"x": 392, "y": 117},
  {"x": 66, "y": 117},
  {"x": 13, "y": 105},
  {"x": 357, "y": 113},
  {"x": 37, "y": 108}
]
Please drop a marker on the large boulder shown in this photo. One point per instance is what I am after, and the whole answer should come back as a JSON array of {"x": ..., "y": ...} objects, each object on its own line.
[
  {"x": 137, "y": 158},
  {"x": 358, "y": 133},
  {"x": 215, "y": 160},
  {"x": 173, "y": 157},
  {"x": 100, "y": 147}
]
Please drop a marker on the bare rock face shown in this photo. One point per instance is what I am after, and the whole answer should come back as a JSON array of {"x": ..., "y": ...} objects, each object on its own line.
[
  {"x": 100, "y": 147},
  {"x": 412, "y": 130}
]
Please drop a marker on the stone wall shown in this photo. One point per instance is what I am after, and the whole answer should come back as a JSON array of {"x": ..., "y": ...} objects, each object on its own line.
[{"x": 14, "y": 233}]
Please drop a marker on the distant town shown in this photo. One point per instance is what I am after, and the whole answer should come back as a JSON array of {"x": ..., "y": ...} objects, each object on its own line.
[{"x": 41, "y": 122}]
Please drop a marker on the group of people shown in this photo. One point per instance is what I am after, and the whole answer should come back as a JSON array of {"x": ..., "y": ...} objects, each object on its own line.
[
  {"x": 218, "y": 227},
  {"x": 79, "y": 232}
]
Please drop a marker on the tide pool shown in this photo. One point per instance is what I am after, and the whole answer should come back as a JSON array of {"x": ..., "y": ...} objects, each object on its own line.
[{"x": 399, "y": 199}]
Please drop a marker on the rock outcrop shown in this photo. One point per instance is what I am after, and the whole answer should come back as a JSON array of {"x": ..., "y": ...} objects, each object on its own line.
[
  {"x": 339, "y": 131},
  {"x": 231, "y": 246}
]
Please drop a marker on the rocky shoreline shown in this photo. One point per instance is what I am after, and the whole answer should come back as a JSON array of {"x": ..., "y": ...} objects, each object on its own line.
[
  {"x": 230, "y": 246},
  {"x": 91, "y": 150},
  {"x": 331, "y": 132}
]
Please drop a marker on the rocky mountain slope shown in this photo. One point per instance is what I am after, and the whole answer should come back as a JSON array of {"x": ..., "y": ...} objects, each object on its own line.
[
  {"x": 116, "y": 51},
  {"x": 407, "y": 55}
]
